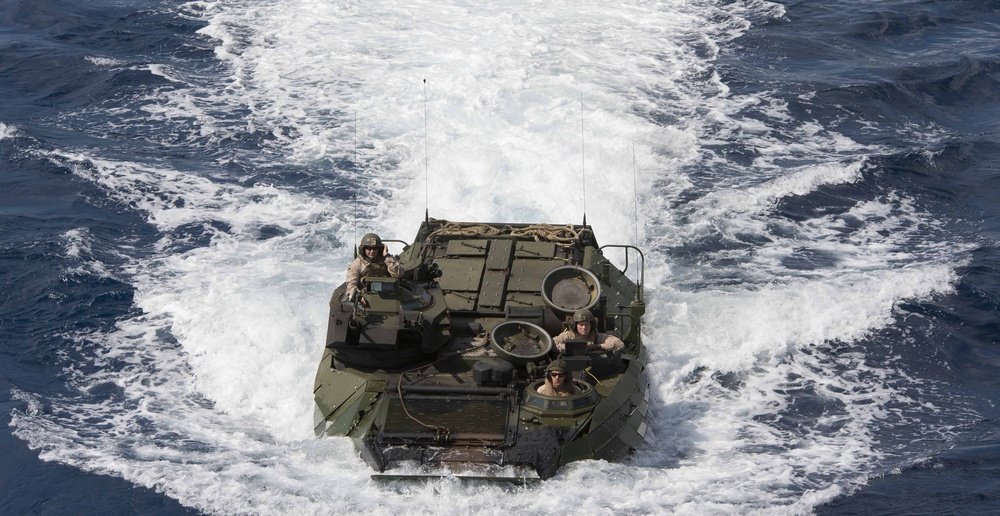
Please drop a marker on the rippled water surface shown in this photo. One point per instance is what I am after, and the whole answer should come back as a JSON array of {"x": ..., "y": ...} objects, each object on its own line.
[{"x": 813, "y": 183}]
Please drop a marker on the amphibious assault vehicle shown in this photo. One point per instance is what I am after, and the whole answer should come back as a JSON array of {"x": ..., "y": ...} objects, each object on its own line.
[{"x": 436, "y": 372}]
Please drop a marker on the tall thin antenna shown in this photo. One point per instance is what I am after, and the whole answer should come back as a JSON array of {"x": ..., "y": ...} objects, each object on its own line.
[
  {"x": 356, "y": 165},
  {"x": 635, "y": 192},
  {"x": 426, "y": 179},
  {"x": 583, "y": 162}
]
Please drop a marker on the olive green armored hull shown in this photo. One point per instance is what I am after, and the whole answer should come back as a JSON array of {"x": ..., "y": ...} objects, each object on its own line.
[{"x": 440, "y": 368}]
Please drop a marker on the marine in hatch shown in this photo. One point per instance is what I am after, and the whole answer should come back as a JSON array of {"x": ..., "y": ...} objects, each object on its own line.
[
  {"x": 373, "y": 260},
  {"x": 558, "y": 381},
  {"x": 584, "y": 326}
]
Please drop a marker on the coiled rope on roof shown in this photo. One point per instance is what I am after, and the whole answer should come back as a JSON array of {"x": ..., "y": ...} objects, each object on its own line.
[
  {"x": 548, "y": 233},
  {"x": 538, "y": 232}
]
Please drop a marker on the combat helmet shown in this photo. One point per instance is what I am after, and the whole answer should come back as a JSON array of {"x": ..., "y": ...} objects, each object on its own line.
[
  {"x": 557, "y": 365},
  {"x": 584, "y": 315},
  {"x": 370, "y": 240}
]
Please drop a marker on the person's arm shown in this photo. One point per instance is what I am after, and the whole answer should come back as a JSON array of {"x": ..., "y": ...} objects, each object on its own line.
[
  {"x": 392, "y": 264},
  {"x": 610, "y": 342},
  {"x": 560, "y": 340},
  {"x": 353, "y": 277}
]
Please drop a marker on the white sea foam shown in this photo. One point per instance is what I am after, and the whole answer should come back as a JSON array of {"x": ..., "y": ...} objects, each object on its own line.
[
  {"x": 7, "y": 131},
  {"x": 78, "y": 244},
  {"x": 213, "y": 381},
  {"x": 104, "y": 61}
]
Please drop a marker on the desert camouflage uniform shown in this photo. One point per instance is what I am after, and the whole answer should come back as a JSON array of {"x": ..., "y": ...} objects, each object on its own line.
[
  {"x": 547, "y": 389},
  {"x": 595, "y": 341},
  {"x": 361, "y": 267}
]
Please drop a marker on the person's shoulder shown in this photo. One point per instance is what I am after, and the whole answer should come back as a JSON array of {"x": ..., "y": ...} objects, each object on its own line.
[{"x": 610, "y": 342}]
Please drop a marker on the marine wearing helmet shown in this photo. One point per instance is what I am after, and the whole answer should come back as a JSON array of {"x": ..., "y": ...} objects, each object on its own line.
[
  {"x": 583, "y": 325},
  {"x": 373, "y": 259},
  {"x": 558, "y": 381}
]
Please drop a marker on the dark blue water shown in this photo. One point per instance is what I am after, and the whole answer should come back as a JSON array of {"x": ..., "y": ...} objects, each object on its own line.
[
  {"x": 914, "y": 84},
  {"x": 906, "y": 64},
  {"x": 47, "y": 85}
]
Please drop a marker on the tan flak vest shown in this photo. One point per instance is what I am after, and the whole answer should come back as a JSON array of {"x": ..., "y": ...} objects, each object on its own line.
[{"x": 377, "y": 269}]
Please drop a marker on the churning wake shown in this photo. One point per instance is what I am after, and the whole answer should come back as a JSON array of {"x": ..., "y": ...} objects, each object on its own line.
[{"x": 312, "y": 123}]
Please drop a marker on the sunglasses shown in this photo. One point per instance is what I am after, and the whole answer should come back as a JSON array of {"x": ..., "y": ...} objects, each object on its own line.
[{"x": 556, "y": 375}]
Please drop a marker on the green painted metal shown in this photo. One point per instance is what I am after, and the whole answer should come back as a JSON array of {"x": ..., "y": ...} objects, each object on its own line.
[{"x": 409, "y": 375}]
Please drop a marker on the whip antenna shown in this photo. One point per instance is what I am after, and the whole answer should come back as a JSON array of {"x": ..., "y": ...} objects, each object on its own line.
[
  {"x": 356, "y": 165},
  {"x": 583, "y": 162},
  {"x": 635, "y": 191},
  {"x": 426, "y": 180}
]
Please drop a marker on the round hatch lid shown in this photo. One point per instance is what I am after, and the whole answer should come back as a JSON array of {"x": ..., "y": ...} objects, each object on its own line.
[
  {"x": 520, "y": 342},
  {"x": 570, "y": 288}
]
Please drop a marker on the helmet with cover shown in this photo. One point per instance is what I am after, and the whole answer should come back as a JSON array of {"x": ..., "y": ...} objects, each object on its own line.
[
  {"x": 371, "y": 240},
  {"x": 557, "y": 365},
  {"x": 584, "y": 315}
]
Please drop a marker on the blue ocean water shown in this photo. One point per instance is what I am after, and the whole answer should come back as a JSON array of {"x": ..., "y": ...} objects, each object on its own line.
[{"x": 816, "y": 184}]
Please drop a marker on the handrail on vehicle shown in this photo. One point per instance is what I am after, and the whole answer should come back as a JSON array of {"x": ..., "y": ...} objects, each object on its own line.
[{"x": 642, "y": 264}]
